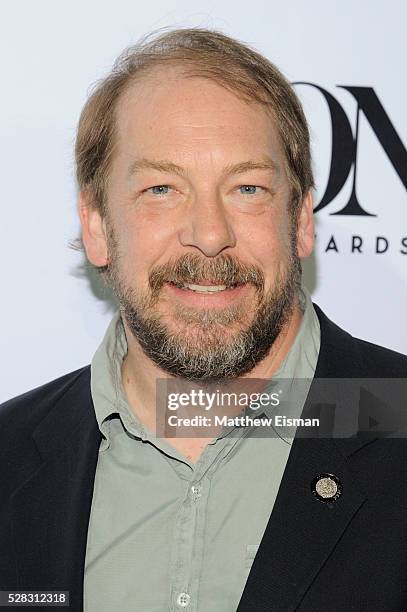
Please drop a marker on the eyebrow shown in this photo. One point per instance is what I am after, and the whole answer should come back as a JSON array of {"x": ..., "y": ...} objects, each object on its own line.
[
  {"x": 167, "y": 166},
  {"x": 150, "y": 164}
]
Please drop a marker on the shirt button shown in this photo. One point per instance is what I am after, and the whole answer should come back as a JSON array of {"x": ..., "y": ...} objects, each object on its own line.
[
  {"x": 196, "y": 491},
  {"x": 183, "y": 600}
]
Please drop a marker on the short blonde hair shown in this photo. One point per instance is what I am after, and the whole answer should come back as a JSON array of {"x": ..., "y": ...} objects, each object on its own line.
[{"x": 204, "y": 53}]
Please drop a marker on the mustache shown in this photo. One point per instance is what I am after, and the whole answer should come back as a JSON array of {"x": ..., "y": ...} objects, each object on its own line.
[{"x": 192, "y": 268}]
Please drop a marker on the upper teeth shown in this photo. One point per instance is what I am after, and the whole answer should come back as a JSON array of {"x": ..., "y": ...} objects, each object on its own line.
[{"x": 205, "y": 288}]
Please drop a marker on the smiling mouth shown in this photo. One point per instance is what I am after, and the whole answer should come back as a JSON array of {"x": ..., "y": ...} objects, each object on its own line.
[{"x": 203, "y": 288}]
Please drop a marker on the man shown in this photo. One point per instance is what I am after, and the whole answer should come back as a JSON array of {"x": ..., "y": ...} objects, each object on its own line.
[{"x": 195, "y": 203}]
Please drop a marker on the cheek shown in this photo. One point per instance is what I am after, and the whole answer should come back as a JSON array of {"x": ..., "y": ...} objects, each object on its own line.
[
  {"x": 269, "y": 242},
  {"x": 269, "y": 248},
  {"x": 142, "y": 244}
]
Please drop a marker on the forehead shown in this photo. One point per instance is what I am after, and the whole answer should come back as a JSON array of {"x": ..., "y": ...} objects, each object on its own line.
[{"x": 175, "y": 113}]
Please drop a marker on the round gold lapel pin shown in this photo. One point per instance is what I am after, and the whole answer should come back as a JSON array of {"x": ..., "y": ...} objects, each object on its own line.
[{"x": 326, "y": 487}]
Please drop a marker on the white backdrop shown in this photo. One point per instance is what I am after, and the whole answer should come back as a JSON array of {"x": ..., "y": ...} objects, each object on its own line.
[{"x": 52, "y": 317}]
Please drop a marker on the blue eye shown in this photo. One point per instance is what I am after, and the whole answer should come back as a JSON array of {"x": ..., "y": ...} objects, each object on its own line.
[
  {"x": 159, "y": 189},
  {"x": 249, "y": 189}
]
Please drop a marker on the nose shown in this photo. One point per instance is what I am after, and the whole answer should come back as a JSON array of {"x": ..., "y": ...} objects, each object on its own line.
[{"x": 207, "y": 227}]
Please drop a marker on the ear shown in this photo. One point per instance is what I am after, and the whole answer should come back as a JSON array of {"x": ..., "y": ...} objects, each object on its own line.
[
  {"x": 93, "y": 230},
  {"x": 305, "y": 228}
]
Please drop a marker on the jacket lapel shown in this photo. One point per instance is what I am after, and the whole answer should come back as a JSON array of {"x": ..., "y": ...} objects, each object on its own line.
[
  {"x": 51, "y": 509},
  {"x": 302, "y": 531}
]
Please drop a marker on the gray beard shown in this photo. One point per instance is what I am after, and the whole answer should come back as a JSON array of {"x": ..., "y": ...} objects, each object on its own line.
[{"x": 212, "y": 355}]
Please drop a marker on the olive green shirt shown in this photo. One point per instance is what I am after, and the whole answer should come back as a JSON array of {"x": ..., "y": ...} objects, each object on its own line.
[{"x": 166, "y": 534}]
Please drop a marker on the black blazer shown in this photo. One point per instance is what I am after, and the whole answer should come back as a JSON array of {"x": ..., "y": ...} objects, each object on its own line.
[{"x": 314, "y": 556}]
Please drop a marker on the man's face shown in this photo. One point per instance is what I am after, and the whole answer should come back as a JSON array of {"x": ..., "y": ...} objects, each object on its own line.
[{"x": 201, "y": 249}]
